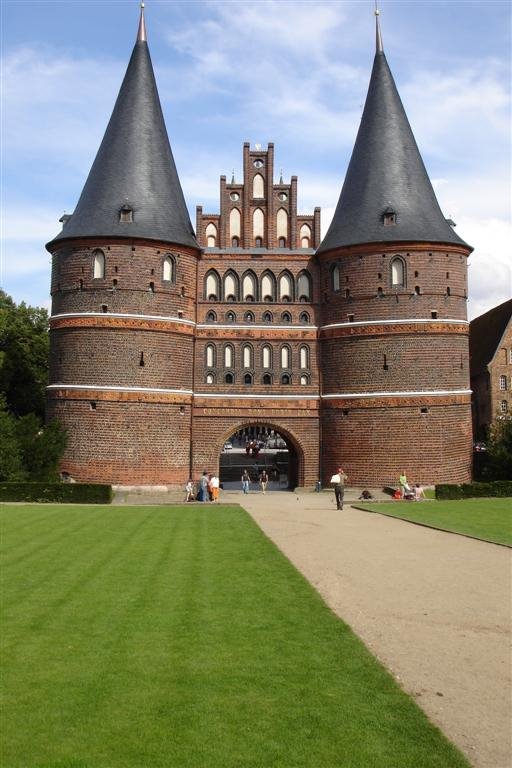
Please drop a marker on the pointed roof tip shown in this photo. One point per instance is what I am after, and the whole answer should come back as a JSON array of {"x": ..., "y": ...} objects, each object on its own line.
[
  {"x": 141, "y": 32},
  {"x": 379, "y": 48}
]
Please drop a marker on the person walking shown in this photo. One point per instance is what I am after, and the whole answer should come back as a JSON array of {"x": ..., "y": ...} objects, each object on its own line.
[
  {"x": 245, "y": 481},
  {"x": 339, "y": 480},
  {"x": 263, "y": 481}
]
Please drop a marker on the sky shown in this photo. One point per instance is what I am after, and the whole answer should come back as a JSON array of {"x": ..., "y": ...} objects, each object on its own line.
[{"x": 295, "y": 73}]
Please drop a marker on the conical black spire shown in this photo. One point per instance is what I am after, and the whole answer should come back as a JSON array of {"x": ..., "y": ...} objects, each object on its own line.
[
  {"x": 386, "y": 173},
  {"x": 134, "y": 168}
]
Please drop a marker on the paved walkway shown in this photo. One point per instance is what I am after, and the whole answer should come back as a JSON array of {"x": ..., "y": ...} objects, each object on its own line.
[{"x": 434, "y": 607}]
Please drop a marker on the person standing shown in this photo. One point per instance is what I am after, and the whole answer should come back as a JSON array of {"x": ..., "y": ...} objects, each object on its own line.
[
  {"x": 215, "y": 485},
  {"x": 404, "y": 485},
  {"x": 203, "y": 486},
  {"x": 245, "y": 481},
  {"x": 263, "y": 481},
  {"x": 339, "y": 480}
]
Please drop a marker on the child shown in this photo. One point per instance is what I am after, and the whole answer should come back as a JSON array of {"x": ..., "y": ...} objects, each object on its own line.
[
  {"x": 419, "y": 493},
  {"x": 189, "y": 491}
]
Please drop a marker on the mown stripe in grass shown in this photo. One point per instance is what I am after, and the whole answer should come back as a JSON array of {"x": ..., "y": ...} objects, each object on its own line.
[{"x": 198, "y": 644}]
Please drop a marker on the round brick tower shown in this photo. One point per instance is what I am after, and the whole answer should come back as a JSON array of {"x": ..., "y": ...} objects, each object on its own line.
[
  {"x": 123, "y": 302},
  {"x": 394, "y": 333}
]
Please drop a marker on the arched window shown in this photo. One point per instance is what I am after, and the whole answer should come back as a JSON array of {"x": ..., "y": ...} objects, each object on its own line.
[
  {"x": 267, "y": 317},
  {"x": 266, "y": 356},
  {"x": 169, "y": 269},
  {"x": 336, "y": 277},
  {"x": 285, "y": 357},
  {"x": 230, "y": 287},
  {"x": 210, "y": 356},
  {"x": 258, "y": 243},
  {"x": 285, "y": 379},
  {"x": 230, "y": 317},
  {"x": 258, "y": 226},
  {"x": 304, "y": 357},
  {"x": 210, "y": 378},
  {"x": 249, "y": 317},
  {"x": 304, "y": 318},
  {"x": 249, "y": 286},
  {"x": 304, "y": 379},
  {"x": 235, "y": 226},
  {"x": 397, "y": 267},
  {"x": 285, "y": 287},
  {"x": 98, "y": 264},
  {"x": 247, "y": 378},
  {"x": 235, "y": 242},
  {"x": 258, "y": 186},
  {"x": 211, "y": 317},
  {"x": 247, "y": 356},
  {"x": 211, "y": 235},
  {"x": 212, "y": 286},
  {"x": 304, "y": 286},
  {"x": 229, "y": 378},
  {"x": 267, "y": 379},
  {"x": 305, "y": 236},
  {"x": 229, "y": 356},
  {"x": 503, "y": 382},
  {"x": 282, "y": 227},
  {"x": 268, "y": 287},
  {"x": 286, "y": 317}
]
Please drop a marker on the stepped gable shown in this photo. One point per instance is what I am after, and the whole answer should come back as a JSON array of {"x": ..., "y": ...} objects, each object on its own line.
[
  {"x": 134, "y": 168},
  {"x": 386, "y": 175}
]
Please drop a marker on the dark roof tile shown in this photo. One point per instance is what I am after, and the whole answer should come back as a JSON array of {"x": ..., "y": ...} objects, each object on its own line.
[
  {"x": 134, "y": 166},
  {"x": 386, "y": 171}
]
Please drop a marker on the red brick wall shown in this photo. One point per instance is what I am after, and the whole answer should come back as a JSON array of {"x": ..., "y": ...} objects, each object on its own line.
[
  {"x": 361, "y": 266},
  {"x": 134, "y": 265},
  {"x": 375, "y": 444}
]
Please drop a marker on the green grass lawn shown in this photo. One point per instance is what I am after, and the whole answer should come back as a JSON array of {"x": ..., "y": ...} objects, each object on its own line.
[
  {"x": 180, "y": 637},
  {"x": 487, "y": 519}
]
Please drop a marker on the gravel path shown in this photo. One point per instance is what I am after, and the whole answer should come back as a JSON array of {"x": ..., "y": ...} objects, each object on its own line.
[{"x": 434, "y": 607}]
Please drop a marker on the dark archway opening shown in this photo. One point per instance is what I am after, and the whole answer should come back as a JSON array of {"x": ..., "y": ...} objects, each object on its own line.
[{"x": 258, "y": 448}]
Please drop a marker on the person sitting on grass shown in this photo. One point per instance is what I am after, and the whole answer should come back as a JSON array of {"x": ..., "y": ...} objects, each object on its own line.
[{"x": 419, "y": 493}]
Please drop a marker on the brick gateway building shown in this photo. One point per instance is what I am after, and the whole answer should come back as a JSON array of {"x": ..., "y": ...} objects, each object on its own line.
[{"x": 354, "y": 349}]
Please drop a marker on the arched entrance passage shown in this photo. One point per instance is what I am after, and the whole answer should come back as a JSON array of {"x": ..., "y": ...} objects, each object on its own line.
[{"x": 258, "y": 446}]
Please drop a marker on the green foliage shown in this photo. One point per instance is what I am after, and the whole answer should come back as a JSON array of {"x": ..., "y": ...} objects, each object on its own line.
[
  {"x": 29, "y": 450},
  {"x": 10, "y": 453},
  {"x": 475, "y": 490},
  {"x": 75, "y": 493},
  {"x": 41, "y": 447},
  {"x": 499, "y": 451},
  {"x": 445, "y": 491},
  {"x": 24, "y": 351}
]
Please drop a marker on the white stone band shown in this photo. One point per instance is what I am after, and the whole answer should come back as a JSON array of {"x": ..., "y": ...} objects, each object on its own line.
[{"x": 414, "y": 393}]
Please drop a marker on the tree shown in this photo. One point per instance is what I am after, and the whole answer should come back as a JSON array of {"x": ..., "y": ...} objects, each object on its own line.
[
  {"x": 499, "y": 450},
  {"x": 24, "y": 353},
  {"x": 29, "y": 449},
  {"x": 10, "y": 453}
]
